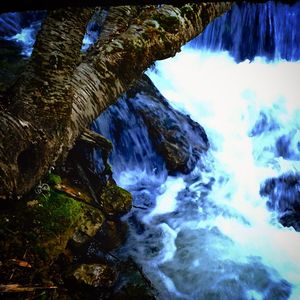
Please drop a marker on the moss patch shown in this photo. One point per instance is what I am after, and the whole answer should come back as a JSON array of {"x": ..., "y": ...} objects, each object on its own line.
[
  {"x": 55, "y": 213},
  {"x": 54, "y": 179}
]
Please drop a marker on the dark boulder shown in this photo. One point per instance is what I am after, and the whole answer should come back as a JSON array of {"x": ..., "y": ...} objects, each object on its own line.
[
  {"x": 147, "y": 132},
  {"x": 176, "y": 137},
  {"x": 283, "y": 195},
  {"x": 12, "y": 23}
]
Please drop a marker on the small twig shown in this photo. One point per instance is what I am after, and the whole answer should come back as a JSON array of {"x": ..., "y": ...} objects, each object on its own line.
[
  {"x": 12, "y": 274},
  {"x": 25, "y": 253},
  {"x": 17, "y": 288},
  {"x": 61, "y": 188},
  {"x": 113, "y": 256}
]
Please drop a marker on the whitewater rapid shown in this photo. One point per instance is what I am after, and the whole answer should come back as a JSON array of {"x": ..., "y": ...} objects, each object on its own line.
[{"x": 209, "y": 234}]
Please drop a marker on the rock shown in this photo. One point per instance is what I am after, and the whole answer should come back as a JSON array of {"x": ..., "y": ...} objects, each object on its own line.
[
  {"x": 115, "y": 201},
  {"x": 134, "y": 292},
  {"x": 91, "y": 222},
  {"x": 148, "y": 133},
  {"x": 283, "y": 195},
  {"x": 94, "y": 275},
  {"x": 175, "y": 135},
  {"x": 112, "y": 235},
  {"x": 53, "y": 219},
  {"x": 12, "y": 23},
  {"x": 133, "y": 283}
]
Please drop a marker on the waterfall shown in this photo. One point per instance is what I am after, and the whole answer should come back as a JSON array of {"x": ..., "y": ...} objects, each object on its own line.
[
  {"x": 248, "y": 30},
  {"x": 133, "y": 153},
  {"x": 217, "y": 233},
  {"x": 222, "y": 229}
]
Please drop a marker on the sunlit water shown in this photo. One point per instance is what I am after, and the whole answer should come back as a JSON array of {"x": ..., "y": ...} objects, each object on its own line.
[{"x": 209, "y": 235}]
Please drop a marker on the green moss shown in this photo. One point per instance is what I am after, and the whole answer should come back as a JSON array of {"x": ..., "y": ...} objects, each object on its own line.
[
  {"x": 55, "y": 213},
  {"x": 41, "y": 226},
  {"x": 54, "y": 179}
]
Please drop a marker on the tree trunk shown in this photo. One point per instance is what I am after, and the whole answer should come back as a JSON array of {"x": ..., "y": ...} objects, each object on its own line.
[{"x": 57, "y": 97}]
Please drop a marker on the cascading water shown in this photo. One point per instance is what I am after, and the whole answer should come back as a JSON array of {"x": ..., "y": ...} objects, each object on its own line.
[
  {"x": 210, "y": 234},
  {"x": 250, "y": 30},
  {"x": 229, "y": 246},
  {"x": 133, "y": 153}
]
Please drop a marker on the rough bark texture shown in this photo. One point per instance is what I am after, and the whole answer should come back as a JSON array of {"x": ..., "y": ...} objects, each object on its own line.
[
  {"x": 32, "y": 129},
  {"x": 57, "y": 98}
]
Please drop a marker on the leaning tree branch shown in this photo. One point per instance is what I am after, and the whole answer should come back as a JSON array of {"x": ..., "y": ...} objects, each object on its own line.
[
  {"x": 110, "y": 68},
  {"x": 57, "y": 100}
]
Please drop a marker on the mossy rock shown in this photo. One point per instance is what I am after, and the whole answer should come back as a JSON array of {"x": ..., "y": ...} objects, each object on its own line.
[
  {"x": 115, "y": 201},
  {"x": 54, "y": 179},
  {"x": 94, "y": 275},
  {"x": 92, "y": 221},
  {"x": 55, "y": 218}
]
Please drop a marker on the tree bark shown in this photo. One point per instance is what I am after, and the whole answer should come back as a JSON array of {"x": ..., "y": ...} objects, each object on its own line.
[{"x": 58, "y": 97}]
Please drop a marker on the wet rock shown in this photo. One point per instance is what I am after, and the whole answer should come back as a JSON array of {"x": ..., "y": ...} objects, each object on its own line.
[
  {"x": 283, "y": 195},
  {"x": 132, "y": 283},
  {"x": 12, "y": 23},
  {"x": 115, "y": 201},
  {"x": 134, "y": 292},
  {"x": 147, "y": 132},
  {"x": 94, "y": 275},
  {"x": 111, "y": 235},
  {"x": 264, "y": 123},
  {"x": 175, "y": 135},
  {"x": 92, "y": 221},
  {"x": 288, "y": 145}
]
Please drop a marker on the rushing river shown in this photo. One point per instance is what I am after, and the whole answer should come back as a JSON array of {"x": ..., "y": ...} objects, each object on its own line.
[{"x": 209, "y": 234}]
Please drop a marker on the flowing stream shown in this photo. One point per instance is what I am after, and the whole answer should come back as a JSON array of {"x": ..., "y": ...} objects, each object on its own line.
[{"x": 209, "y": 234}]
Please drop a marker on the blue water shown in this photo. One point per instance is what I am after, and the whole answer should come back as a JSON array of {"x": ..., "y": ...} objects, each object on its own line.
[
  {"x": 212, "y": 234},
  {"x": 268, "y": 29}
]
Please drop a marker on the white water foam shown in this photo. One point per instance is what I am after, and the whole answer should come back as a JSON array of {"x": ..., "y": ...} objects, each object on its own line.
[{"x": 227, "y": 98}]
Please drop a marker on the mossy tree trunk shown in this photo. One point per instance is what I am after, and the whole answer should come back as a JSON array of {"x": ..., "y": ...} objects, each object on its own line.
[{"x": 59, "y": 95}]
